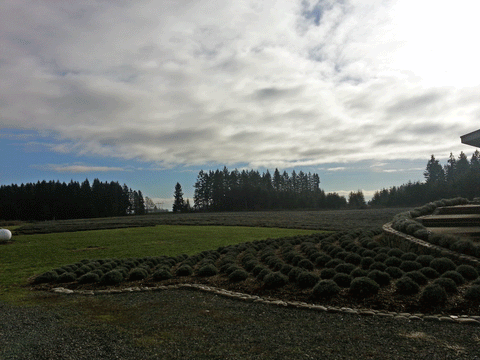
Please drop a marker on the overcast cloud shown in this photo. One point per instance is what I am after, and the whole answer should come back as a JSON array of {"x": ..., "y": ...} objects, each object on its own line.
[{"x": 262, "y": 83}]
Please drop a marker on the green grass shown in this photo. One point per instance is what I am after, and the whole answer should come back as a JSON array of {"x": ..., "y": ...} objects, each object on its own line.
[{"x": 31, "y": 255}]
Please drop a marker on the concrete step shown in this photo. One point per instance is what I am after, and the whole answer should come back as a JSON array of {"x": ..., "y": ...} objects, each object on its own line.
[
  {"x": 470, "y": 232},
  {"x": 459, "y": 209},
  {"x": 465, "y": 220}
]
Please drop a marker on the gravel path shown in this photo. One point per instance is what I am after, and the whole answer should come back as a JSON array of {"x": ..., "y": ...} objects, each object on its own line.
[{"x": 189, "y": 324}]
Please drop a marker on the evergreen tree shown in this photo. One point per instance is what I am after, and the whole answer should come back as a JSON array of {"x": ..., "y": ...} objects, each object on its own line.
[
  {"x": 178, "y": 203},
  {"x": 201, "y": 195},
  {"x": 250, "y": 190},
  {"x": 450, "y": 169},
  {"x": 356, "y": 200},
  {"x": 475, "y": 161},
  {"x": 434, "y": 173},
  {"x": 463, "y": 165},
  {"x": 473, "y": 181},
  {"x": 335, "y": 201},
  {"x": 218, "y": 191},
  {"x": 139, "y": 204},
  {"x": 277, "y": 181},
  {"x": 86, "y": 206},
  {"x": 54, "y": 200},
  {"x": 187, "y": 207},
  {"x": 458, "y": 178}
]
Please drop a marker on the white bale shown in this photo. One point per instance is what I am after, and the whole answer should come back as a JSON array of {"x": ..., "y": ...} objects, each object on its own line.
[{"x": 5, "y": 234}]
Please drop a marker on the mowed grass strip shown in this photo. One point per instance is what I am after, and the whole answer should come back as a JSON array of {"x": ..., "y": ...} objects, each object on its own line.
[{"x": 31, "y": 255}]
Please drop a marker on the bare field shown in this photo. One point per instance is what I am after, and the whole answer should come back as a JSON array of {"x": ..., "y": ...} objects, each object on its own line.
[{"x": 336, "y": 220}]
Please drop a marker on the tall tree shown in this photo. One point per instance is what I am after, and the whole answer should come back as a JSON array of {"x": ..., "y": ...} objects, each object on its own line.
[
  {"x": 56, "y": 200},
  {"x": 250, "y": 190},
  {"x": 356, "y": 200},
  {"x": 434, "y": 173},
  {"x": 178, "y": 202},
  {"x": 277, "y": 181},
  {"x": 460, "y": 177},
  {"x": 201, "y": 195},
  {"x": 139, "y": 203},
  {"x": 462, "y": 165},
  {"x": 450, "y": 169},
  {"x": 475, "y": 161},
  {"x": 218, "y": 191},
  {"x": 86, "y": 205}
]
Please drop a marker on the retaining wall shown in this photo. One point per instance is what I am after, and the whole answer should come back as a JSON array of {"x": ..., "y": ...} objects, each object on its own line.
[{"x": 394, "y": 238}]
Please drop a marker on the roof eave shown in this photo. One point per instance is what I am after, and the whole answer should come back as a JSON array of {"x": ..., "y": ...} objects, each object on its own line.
[{"x": 472, "y": 139}]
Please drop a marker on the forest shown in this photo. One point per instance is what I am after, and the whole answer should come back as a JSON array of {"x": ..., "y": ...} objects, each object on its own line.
[
  {"x": 224, "y": 190},
  {"x": 54, "y": 200},
  {"x": 458, "y": 177}
]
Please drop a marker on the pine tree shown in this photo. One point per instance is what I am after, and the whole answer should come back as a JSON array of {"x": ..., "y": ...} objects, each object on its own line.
[
  {"x": 201, "y": 195},
  {"x": 475, "y": 161},
  {"x": 187, "y": 207},
  {"x": 450, "y": 169},
  {"x": 178, "y": 203},
  {"x": 140, "y": 204},
  {"x": 277, "y": 181},
  {"x": 434, "y": 173},
  {"x": 462, "y": 165},
  {"x": 356, "y": 200}
]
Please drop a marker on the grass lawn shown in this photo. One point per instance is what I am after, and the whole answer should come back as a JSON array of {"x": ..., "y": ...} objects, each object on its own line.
[{"x": 30, "y": 255}]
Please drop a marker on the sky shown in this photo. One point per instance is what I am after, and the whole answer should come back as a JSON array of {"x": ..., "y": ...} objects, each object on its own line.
[{"x": 148, "y": 93}]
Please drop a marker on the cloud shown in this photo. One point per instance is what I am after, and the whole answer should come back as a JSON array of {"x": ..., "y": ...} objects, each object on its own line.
[
  {"x": 368, "y": 194},
  {"x": 281, "y": 84},
  {"x": 414, "y": 104},
  {"x": 77, "y": 168},
  {"x": 402, "y": 170},
  {"x": 393, "y": 168},
  {"x": 275, "y": 94},
  {"x": 340, "y": 168},
  {"x": 18, "y": 136}
]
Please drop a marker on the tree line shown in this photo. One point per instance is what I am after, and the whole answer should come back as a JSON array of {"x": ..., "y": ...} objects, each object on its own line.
[
  {"x": 458, "y": 177},
  {"x": 55, "y": 200},
  {"x": 224, "y": 190}
]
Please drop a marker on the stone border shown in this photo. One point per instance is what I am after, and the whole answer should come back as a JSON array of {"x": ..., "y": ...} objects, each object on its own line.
[
  {"x": 461, "y": 319},
  {"x": 406, "y": 242}
]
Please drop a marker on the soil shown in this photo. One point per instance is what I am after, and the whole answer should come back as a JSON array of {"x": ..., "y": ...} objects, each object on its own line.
[
  {"x": 337, "y": 220},
  {"x": 386, "y": 299},
  {"x": 190, "y": 324}
]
